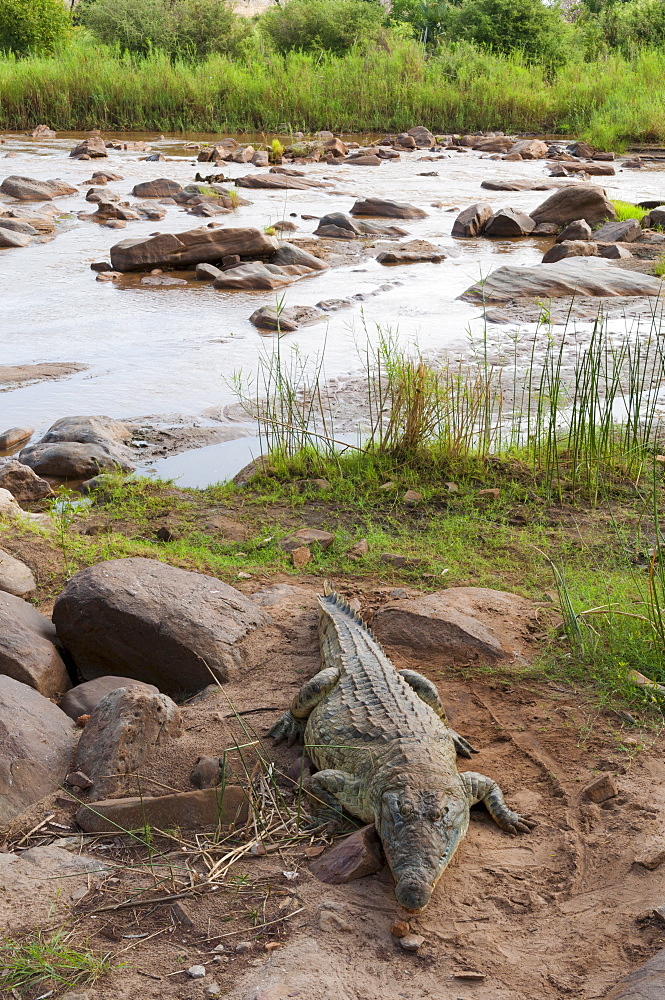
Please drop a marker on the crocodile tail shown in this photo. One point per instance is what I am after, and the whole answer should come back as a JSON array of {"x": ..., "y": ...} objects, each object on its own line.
[{"x": 331, "y": 599}]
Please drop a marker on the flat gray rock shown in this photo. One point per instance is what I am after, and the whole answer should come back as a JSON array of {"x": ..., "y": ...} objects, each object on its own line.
[
  {"x": 82, "y": 699},
  {"x": 579, "y": 201},
  {"x": 645, "y": 983},
  {"x": 574, "y": 276},
  {"x": 195, "y": 246},
  {"x": 15, "y": 577},
  {"x": 29, "y": 189},
  {"x": 12, "y": 240},
  {"x": 387, "y": 209}
]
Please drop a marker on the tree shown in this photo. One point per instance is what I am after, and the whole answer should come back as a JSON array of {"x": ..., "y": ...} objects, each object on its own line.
[
  {"x": 329, "y": 25},
  {"x": 512, "y": 25},
  {"x": 33, "y": 26}
]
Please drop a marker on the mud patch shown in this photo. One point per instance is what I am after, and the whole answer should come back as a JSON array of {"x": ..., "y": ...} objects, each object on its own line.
[{"x": 13, "y": 376}]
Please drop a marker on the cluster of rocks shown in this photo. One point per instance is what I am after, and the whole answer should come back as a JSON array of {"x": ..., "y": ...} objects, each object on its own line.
[
  {"x": 72, "y": 448},
  {"x": 20, "y": 225}
]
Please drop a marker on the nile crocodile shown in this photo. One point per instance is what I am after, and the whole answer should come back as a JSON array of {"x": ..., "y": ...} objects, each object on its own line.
[{"x": 386, "y": 754}]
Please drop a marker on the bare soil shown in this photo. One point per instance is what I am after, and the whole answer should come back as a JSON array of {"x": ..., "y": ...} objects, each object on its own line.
[{"x": 561, "y": 912}]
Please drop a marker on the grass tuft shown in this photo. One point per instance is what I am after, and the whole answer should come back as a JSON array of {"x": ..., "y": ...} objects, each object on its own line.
[
  {"x": 625, "y": 210},
  {"x": 47, "y": 961}
]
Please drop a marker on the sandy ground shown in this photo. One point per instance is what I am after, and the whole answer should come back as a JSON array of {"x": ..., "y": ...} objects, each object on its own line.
[{"x": 560, "y": 912}]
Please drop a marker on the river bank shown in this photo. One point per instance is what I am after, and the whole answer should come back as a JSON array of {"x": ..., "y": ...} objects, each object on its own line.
[{"x": 609, "y": 101}]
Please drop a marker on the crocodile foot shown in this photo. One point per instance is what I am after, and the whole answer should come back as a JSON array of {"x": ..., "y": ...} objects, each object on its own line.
[
  {"x": 513, "y": 823},
  {"x": 462, "y": 747},
  {"x": 288, "y": 728}
]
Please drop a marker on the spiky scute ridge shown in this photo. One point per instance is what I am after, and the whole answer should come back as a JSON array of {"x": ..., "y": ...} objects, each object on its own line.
[{"x": 331, "y": 595}]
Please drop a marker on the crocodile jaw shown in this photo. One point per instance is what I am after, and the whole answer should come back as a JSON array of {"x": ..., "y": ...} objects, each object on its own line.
[{"x": 420, "y": 845}]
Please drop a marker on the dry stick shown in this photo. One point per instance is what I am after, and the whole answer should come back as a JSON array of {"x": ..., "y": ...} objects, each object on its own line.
[{"x": 34, "y": 829}]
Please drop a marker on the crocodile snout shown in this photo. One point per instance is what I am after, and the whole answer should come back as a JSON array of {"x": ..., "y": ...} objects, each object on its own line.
[{"x": 413, "y": 895}]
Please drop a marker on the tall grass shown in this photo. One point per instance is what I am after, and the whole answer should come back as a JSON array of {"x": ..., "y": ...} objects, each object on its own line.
[
  {"x": 580, "y": 415},
  {"x": 462, "y": 88}
]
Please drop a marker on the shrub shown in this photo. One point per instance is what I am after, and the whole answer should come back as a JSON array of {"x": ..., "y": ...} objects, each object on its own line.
[
  {"x": 33, "y": 26},
  {"x": 427, "y": 18},
  {"x": 640, "y": 22},
  {"x": 527, "y": 26},
  {"x": 188, "y": 28},
  {"x": 329, "y": 25}
]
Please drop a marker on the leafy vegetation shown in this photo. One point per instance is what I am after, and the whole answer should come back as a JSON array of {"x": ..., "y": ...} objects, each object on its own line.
[
  {"x": 625, "y": 210},
  {"x": 191, "y": 29},
  {"x": 527, "y": 26},
  {"x": 322, "y": 25},
  {"x": 33, "y": 26}
]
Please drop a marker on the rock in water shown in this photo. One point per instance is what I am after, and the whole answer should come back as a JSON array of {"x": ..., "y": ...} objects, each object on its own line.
[
  {"x": 471, "y": 220},
  {"x": 530, "y": 149},
  {"x": 195, "y": 246},
  {"x": 84, "y": 698},
  {"x": 570, "y": 248},
  {"x": 124, "y": 731},
  {"x": 29, "y": 189},
  {"x": 579, "y": 201},
  {"x": 387, "y": 209},
  {"x": 509, "y": 222},
  {"x": 155, "y": 623},
  {"x": 71, "y": 460},
  {"x": 354, "y": 857},
  {"x": 27, "y": 648},
  {"x": 11, "y": 240},
  {"x": 13, "y": 436},
  {"x": 618, "y": 232},
  {"x": 35, "y": 749},
  {"x": 253, "y": 277},
  {"x": 576, "y": 276},
  {"x": 160, "y": 188},
  {"x": 577, "y": 230}
]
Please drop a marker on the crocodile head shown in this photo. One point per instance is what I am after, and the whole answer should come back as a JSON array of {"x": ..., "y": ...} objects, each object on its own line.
[{"x": 420, "y": 830}]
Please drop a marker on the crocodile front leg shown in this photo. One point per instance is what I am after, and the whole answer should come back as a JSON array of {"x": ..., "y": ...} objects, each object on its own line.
[
  {"x": 331, "y": 791},
  {"x": 291, "y": 725},
  {"x": 480, "y": 788},
  {"x": 428, "y": 692}
]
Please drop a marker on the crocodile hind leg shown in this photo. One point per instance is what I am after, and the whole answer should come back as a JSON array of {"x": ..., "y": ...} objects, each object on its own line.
[
  {"x": 480, "y": 788},
  {"x": 428, "y": 692},
  {"x": 291, "y": 725},
  {"x": 330, "y": 792}
]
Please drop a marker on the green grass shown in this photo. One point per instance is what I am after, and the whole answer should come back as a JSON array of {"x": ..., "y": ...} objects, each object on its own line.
[
  {"x": 659, "y": 267},
  {"x": 609, "y": 101},
  {"x": 625, "y": 210},
  {"x": 47, "y": 961}
]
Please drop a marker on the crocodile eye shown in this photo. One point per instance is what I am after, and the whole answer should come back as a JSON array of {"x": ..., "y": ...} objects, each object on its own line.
[{"x": 435, "y": 815}]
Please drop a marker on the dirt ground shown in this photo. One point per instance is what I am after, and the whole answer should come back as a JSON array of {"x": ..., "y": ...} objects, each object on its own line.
[{"x": 562, "y": 912}]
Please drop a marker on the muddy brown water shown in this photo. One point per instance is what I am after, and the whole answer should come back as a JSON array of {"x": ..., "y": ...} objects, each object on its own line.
[{"x": 170, "y": 353}]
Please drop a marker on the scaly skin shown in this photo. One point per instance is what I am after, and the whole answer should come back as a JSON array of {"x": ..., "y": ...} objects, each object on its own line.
[{"x": 385, "y": 753}]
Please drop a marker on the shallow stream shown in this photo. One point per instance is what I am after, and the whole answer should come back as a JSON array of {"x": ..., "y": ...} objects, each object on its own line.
[{"x": 169, "y": 353}]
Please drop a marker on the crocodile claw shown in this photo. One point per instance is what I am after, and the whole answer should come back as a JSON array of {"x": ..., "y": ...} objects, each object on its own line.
[
  {"x": 462, "y": 747},
  {"x": 287, "y": 728},
  {"x": 519, "y": 824}
]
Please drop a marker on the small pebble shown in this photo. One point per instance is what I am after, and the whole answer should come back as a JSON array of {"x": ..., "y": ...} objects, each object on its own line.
[
  {"x": 196, "y": 972},
  {"x": 218, "y": 949},
  {"x": 212, "y": 990},
  {"x": 400, "y": 928},
  {"x": 411, "y": 942},
  {"x": 243, "y": 946}
]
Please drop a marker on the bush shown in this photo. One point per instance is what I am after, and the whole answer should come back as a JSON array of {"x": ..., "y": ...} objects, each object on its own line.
[
  {"x": 638, "y": 22},
  {"x": 328, "y": 25},
  {"x": 427, "y": 18},
  {"x": 33, "y": 26},
  {"x": 527, "y": 26},
  {"x": 189, "y": 28}
]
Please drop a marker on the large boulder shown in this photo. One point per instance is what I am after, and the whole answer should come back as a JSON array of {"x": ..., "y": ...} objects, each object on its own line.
[
  {"x": 204, "y": 809},
  {"x": 387, "y": 209},
  {"x": 143, "y": 619},
  {"x": 84, "y": 698},
  {"x": 494, "y": 144},
  {"x": 461, "y": 624},
  {"x": 90, "y": 149},
  {"x": 15, "y": 577},
  {"x": 509, "y": 222},
  {"x": 103, "y": 431},
  {"x": 471, "y": 220},
  {"x": 36, "y": 745},
  {"x": 124, "y": 731},
  {"x": 23, "y": 483},
  {"x": 580, "y": 201},
  {"x": 71, "y": 460},
  {"x": 278, "y": 181},
  {"x": 28, "y": 650},
  {"x": 29, "y": 189},
  {"x": 195, "y": 246},
  {"x": 575, "y": 276},
  {"x": 330, "y": 224},
  {"x": 647, "y": 982},
  {"x": 576, "y": 230}
]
